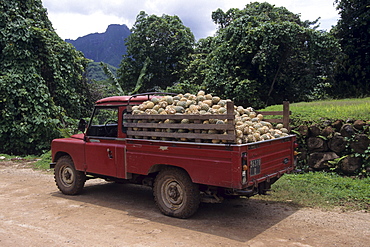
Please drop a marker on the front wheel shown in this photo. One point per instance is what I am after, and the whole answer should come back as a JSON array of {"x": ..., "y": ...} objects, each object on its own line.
[
  {"x": 68, "y": 179},
  {"x": 175, "y": 194}
]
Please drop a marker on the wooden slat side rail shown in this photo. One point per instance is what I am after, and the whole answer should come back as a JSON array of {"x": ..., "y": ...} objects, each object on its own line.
[
  {"x": 153, "y": 126},
  {"x": 179, "y": 117},
  {"x": 192, "y": 126},
  {"x": 285, "y": 113},
  {"x": 190, "y": 136}
]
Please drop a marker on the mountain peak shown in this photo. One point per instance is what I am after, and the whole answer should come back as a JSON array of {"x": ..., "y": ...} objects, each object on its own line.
[
  {"x": 105, "y": 47},
  {"x": 117, "y": 28}
]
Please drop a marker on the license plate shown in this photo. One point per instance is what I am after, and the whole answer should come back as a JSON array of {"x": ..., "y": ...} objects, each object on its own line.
[{"x": 255, "y": 167}]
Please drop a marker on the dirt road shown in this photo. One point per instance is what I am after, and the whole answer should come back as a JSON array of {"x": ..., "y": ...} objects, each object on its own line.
[{"x": 34, "y": 213}]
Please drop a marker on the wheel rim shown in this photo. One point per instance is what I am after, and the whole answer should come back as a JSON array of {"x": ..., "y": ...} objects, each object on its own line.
[
  {"x": 67, "y": 176},
  {"x": 172, "y": 194}
]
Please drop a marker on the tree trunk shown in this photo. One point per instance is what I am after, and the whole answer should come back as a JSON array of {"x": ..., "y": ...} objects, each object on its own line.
[
  {"x": 361, "y": 143},
  {"x": 319, "y": 160},
  {"x": 347, "y": 130},
  {"x": 337, "y": 125},
  {"x": 337, "y": 144},
  {"x": 316, "y": 144},
  {"x": 314, "y": 130},
  {"x": 359, "y": 124},
  {"x": 303, "y": 130},
  {"x": 349, "y": 165},
  {"x": 273, "y": 82},
  {"x": 327, "y": 131}
]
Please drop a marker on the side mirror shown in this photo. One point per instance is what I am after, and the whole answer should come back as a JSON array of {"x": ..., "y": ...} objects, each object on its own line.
[{"x": 82, "y": 125}]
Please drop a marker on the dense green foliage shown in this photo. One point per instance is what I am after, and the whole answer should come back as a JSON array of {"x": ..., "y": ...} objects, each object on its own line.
[
  {"x": 322, "y": 190},
  {"x": 95, "y": 72},
  {"x": 40, "y": 79},
  {"x": 261, "y": 55},
  {"x": 156, "y": 51},
  {"x": 264, "y": 54},
  {"x": 99, "y": 82},
  {"x": 193, "y": 76},
  {"x": 353, "y": 33}
]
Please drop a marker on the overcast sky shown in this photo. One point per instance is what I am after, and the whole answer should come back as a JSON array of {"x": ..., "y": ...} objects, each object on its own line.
[{"x": 76, "y": 18}]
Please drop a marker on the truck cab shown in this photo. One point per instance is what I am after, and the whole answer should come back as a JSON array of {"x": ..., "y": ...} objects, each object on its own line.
[{"x": 100, "y": 148}]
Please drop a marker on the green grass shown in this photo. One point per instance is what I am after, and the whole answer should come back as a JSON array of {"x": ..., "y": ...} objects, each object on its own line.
[
  {"x": 330, "y": 109},
  {"x": 28, "y": 158},
  {"x": 44, "y": 161},
  {"x": 321, "y": 190},
  {"x": 37, "y": 162}
]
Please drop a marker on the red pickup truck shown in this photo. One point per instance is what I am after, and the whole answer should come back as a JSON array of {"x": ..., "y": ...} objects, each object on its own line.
[{"x": 181, "y": 173}]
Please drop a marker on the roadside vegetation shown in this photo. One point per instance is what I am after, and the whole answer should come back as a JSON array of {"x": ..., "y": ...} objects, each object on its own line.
[
  {"x": 36, "y": 162},
  {"x": 346, "y": 109},
  {"x": 326, "y": 190},
  {"x": 321, "y": 190},
  {"x": 333, "y": 135}
]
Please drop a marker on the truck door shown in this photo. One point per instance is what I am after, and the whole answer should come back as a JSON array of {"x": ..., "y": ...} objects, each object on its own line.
[{"x": 101, "y": 147}]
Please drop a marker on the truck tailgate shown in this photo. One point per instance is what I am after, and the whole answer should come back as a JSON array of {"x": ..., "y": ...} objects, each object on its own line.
[{"x": 269, "y": 159}]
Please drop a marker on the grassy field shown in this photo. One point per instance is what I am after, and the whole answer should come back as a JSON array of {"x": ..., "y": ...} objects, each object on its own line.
[
  {"x": 330, "y": 109},
  {"x": 321, "y": 190}
]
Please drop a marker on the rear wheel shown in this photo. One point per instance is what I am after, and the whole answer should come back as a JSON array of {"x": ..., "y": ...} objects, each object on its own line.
[
  {"x": 175, "y": 194},
  {"x": 68, "y": 179}
]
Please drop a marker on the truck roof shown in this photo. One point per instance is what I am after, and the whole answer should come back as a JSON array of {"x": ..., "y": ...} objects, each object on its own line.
[{"x": 119, "y": 100}]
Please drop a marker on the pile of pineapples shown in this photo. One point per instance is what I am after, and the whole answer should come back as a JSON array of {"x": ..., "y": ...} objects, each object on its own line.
[{"x": 249, "y": 126}]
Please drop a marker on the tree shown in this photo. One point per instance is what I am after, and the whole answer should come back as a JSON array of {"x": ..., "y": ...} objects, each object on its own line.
[
  {"x": 157, "y": 50},
  {"x": 263, "y": 54},
  {"x": 41, "y": 80},
  {"x": 353, "y": 33},
  {"x": 193, "y": 76}
]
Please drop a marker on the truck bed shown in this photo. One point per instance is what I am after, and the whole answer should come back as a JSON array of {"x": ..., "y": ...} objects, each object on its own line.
[{"x": 218, "y": 165}]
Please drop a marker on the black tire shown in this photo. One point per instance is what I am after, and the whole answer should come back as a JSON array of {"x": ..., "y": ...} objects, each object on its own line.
[
  {"x": 175, "y": 194},
  {"x": 68, "y": 179}
]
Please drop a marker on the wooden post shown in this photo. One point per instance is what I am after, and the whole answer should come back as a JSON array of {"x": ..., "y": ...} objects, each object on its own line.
[
  {"x": 286, "y": 114},
  {"x": 230, "y": 118},
  {"x": 129, "y": 109},
  {"x": 197, "y": 121}
]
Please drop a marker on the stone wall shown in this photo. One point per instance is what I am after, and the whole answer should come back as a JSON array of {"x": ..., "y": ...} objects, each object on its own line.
[{"x": 338, "y": 145}]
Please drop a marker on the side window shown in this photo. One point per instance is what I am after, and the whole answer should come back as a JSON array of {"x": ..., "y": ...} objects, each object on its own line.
[{"x": 104, "y": 122}]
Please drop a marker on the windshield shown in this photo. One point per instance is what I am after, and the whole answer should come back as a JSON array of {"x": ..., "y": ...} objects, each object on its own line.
[{"x": 104, "y": 122}]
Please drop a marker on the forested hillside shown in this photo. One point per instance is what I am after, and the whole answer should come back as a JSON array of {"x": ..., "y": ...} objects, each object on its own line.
[{"x": 107, "y": 47}]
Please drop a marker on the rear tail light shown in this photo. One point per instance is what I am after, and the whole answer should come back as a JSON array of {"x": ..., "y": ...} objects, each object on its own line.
[{"x": 244, "y": 167}]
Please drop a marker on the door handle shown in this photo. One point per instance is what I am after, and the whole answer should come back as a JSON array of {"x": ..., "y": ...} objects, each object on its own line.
[{"x": 110, "y": 155}]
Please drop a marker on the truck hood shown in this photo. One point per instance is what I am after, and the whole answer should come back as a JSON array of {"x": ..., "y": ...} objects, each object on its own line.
[{"x": 78, "y": 136}]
